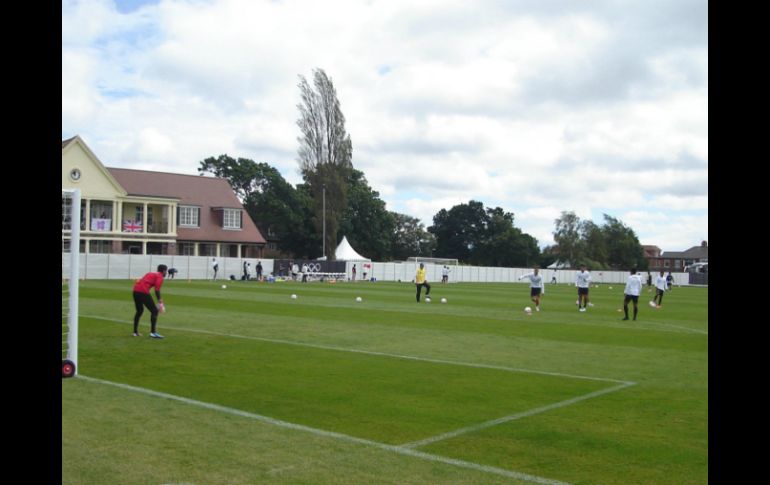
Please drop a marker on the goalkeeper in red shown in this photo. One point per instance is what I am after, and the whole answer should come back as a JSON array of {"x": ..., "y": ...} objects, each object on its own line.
[{"x": 142, "y": 298}]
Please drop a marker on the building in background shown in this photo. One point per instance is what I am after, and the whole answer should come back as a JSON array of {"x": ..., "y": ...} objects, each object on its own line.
[
  {"x": 676, "y": 261},
  {"x": 142, "y": 212}
]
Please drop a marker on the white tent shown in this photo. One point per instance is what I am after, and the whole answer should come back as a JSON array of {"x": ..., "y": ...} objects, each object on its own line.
[
  {"x": 345, "y": 252},
  {"x": 559, "y": 265}
]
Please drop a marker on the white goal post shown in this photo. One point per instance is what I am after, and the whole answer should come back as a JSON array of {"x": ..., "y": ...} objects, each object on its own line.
[
  {"x": 442, "y": 266},
  {"x": 70, "y": 239}
]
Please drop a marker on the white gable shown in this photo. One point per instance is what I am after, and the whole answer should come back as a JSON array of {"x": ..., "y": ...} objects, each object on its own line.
[{"x": 94, "y": 180}]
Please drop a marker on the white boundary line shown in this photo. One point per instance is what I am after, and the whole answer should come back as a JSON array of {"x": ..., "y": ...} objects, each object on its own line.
[
  {"x": 407, "y": 448},
  {"x": 338, "y": 436},
  {"x": 513, "y": 417},
  {"x": 382, "y": 354},
  {"x": 688, "y": 329}
]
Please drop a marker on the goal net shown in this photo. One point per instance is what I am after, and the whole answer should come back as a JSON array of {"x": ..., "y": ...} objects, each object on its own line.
[
  {"x": 70, "y": 261},
  {"x": 443, "y": 269}
]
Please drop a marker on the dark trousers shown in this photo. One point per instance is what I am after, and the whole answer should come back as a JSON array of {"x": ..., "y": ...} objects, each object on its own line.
[
  {"x": 628, "y": 298},
  {"x": 142, "y": 300},
  {"x": 419, "y": 289}
]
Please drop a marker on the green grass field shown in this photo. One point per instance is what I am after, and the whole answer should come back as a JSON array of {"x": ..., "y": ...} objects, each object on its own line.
[{"x": 250, "y": 386}]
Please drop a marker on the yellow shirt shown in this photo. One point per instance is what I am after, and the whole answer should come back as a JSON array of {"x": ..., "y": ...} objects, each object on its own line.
[{"x": 420, "y": 276}]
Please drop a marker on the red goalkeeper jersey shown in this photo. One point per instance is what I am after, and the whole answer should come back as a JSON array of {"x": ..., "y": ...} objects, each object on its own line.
[{"x": 150, "y": 280}]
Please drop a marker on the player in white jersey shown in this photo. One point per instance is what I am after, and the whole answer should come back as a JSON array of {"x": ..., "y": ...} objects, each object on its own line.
[
  {"x": 583, "y": 282},
  {"x": 660, "y": 288},
  {"x": 536, "y": 286},
  {"x": 631, "y": 292}
]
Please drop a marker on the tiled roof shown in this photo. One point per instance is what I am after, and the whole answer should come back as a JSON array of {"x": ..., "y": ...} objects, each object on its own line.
[{"x": 194, "y": 190}]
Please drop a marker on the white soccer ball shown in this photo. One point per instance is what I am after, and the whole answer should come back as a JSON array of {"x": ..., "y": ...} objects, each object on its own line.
[
  {"x": 427, "y": 300},
  {"x": 443, "y": 300},
  {"x": 224, "y": 287},
  {"x": 653, "y": 304},
  {"x": 527, "y": 309},
  {"x": 293, "y": 296},
  {"x": 358, "y": 298},
  {"x": 610, "y": 287}
]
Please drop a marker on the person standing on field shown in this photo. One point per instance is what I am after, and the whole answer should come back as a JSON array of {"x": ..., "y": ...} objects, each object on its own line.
[
  {"x": 660, "y": 288},
  {"x": 631, "y": 293},
  {"x": 142, "y": 298},
  {"x": 583, "y": 282},
  {"x": 420, "y": 280},
  {"x": 536, "y": 286},
  {"x": 215, "y": 267}
]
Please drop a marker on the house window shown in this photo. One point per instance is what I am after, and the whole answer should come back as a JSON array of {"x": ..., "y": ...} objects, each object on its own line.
[
  {"x": 232, "y": 219},
  {"x": 666, "y": 263},
  {"x": 186, "y": 249},
  {"x": 189, "y": 216},
  {"x": 677, "y": 263}
]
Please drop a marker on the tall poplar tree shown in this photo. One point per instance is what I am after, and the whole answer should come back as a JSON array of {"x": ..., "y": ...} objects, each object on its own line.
[{"x": 325, "y": 154}]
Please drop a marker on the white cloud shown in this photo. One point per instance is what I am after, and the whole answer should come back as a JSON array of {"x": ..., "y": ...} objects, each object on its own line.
[{"x": 573, "y": 107}]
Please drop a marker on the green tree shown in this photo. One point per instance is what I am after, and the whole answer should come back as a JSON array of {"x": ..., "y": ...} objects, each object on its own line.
[
  {"x": 272, "y": 203},
  {"x": 324, "y": 154},
  {"x": 503, "y": 244},
  {"x": 567, "y": 238},
  {"x": 548, "y": 256},
  {"x": 241, "y": 173},
  {"x": 410, "y": 238},
  {"x": 594, "y": 244},
  {"x": 482, "y": 236},
  {"x": 623, "y": 248},
  {"x": 366, "y": 223},
  {"x": 459, "y": 230}
]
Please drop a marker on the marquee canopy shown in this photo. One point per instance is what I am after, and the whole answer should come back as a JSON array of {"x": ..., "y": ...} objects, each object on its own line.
[{"x": 345, "y": 252}]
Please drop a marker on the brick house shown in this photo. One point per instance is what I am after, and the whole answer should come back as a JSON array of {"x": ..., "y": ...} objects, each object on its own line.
[
  {"x": 676, "y": 261},
  {"x": 144, "y": 212}
]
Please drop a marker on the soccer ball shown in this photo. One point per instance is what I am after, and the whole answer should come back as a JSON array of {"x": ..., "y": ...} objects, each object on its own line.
[
  {"x": 427, "y": 300},
  {"x": 527, "y": 310},
  {"x": 224, "y": 287},
  {"x": 443, "y": 300},
  {"x": 358, "y": 298},
  {"x": 610, "y": 287},
  {"x": 293, "y": 296},
  {"x": 653, "y": 304}
]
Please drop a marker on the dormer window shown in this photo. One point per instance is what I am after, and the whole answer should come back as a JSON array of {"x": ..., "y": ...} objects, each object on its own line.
[
  {"x": 231, "y": 219},
  {"x": 189, "y": 216}
]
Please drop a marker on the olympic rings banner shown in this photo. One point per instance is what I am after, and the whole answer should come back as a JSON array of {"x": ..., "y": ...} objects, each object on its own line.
[{"x": 282, "y": 267}]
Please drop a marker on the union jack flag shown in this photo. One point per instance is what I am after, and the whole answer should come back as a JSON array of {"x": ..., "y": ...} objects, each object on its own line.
[{"x": 131, "y": 226}]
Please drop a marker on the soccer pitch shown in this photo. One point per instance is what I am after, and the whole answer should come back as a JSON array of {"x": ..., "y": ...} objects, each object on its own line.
[{"x": 251, "y": 386}]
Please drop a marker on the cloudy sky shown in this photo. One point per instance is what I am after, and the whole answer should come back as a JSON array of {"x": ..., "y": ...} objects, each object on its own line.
[{"x": 536, "y": 106}]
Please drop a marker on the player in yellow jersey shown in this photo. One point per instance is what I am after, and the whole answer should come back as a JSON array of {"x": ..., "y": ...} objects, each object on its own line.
[{"x": 420, "y": 281}]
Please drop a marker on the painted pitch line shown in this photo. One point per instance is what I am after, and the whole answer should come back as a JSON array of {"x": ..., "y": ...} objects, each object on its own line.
[
  {"x": 512, "y": 417},
  {"x": 688, "y": 329},
  {"x": 381, "y": 354},
  {"x": 401, "y": 450}
]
